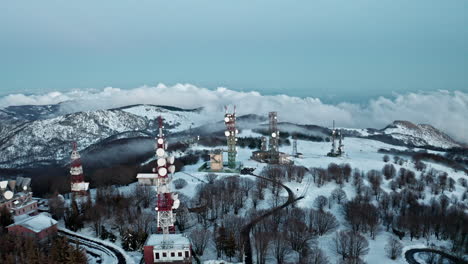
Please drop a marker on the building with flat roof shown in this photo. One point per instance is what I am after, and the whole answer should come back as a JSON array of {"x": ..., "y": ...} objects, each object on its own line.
[
  {"x": 147, "y": 178},
  {"x": 174, "y": 249}
]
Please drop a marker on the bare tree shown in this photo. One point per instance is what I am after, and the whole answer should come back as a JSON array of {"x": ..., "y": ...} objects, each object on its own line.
[
  {"x": 338, "y": 195},
  {"x": 317, "y": 256},
  {"x": 320, "y": 202},
  {"x": 280, "y": 247},
  {"x": 393, "y": 248},
  {"x": 199, "y": 238},
  {"x": 351, "y": 246},
  {"x": 322, "y": 222},
  {"x": 211, "y": 177},
  {"x": 386, "y": 158}
]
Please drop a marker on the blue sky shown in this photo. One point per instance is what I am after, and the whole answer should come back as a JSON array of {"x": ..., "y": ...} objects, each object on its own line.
[{"x": 337, "y": 50}]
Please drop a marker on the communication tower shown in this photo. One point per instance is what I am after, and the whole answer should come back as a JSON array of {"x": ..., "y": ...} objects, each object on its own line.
[
  {"x": 78, "y": 185},
  {"x": 274, "y": 137},
  {"x": 294, "y": 150},
  {"x": 336, "y": 151},
  {"x": 166, "y": 201},
  {"x": 231, "y": 134}
]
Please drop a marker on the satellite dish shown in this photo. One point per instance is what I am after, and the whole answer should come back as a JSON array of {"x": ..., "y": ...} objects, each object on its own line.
[
  {"x": 226, "y": 119},
  {"x": 273, "y": 134},
  {"x": 237, "y": 131},
  {"x": 3, "y": 184},
  {"x": 154, "y": 169},
  {"x": 162, "y": 171},
  {"x": 8, "y": 195},
  {"x": 171, "y": 159},
  {"x": 160, "y": 152},
  {"x": 12, "y": 184},
  {"x": 172, "y": 169},
  {"x": 160, "y": 141},
  {"x": 226, "y": 133},
  {"x": 161, "y": 162},
  {"x": 25, "y": 188},
  {"x": 176, "y": 204},
  {"x": 162, "y": 189}
]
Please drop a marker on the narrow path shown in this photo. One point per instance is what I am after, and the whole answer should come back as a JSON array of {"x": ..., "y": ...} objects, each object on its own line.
[
  {"x": 409, "y": 255},
  {"x": 245, "y": 231},
  {"x": 105, "y": 249}
]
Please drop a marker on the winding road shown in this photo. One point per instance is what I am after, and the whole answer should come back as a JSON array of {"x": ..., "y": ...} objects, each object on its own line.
[
  {"x": 107, "y": 252},
  {"x": 409, "y": 255},
  {"x": 245, "y": 231}
]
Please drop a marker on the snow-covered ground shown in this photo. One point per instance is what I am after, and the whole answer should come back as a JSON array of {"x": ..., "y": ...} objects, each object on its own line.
[{"x": 359, "y": 153}]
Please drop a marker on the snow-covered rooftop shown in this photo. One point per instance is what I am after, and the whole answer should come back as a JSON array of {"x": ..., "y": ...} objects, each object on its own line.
[
  {"x": 176, "y": 240},
  {"x": 147, "y": 176},
  {"x": 36, "y": 223}
]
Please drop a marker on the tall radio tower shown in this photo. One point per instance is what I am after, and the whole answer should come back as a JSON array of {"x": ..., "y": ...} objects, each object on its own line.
[
  {"x": 167, "y": 201},
  {"x": 231, "y": 134},
  {"x": 78, "y": 185},
  {"x": 274, "y": 135}
]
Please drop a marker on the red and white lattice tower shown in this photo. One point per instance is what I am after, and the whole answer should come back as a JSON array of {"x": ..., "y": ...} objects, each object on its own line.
[
  {"x": 78, "y": 185},
  {"x": 166, "y": 200}
]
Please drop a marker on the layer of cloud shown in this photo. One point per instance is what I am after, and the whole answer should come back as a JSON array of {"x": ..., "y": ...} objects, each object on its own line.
[{"x": 442, "y": 109}]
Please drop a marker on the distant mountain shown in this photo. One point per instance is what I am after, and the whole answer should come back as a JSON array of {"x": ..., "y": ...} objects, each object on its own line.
[
  {"x": 32, "y": 135},
  {"x": 27, "y": 138},
  {"x": 409, "y": 134}
]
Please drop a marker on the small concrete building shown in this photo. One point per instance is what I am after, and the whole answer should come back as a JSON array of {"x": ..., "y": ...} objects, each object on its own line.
[
  {"x": 216, "y": 160},
  {"x": 147, "y": 178},
  {"x": 40, "y": 227},
  {"x": 175, "y": 249}
]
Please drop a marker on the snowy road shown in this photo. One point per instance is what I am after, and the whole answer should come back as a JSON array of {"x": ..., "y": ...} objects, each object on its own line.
[
  {"x": 409, "y": 255},
  {"x": 245, "y": 232},
  {"x": 101, "y": 252}
]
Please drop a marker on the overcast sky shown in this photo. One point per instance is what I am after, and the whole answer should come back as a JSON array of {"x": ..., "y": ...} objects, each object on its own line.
[{"x": 337, "y": 50}]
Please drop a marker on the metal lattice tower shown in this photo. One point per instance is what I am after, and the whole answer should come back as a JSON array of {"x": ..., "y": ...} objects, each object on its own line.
[
  {"x": 333, "y": 150},
  {"x": 231, "y": 134},
  {"x": 274, "y": 137},
  {"x": 294, "y": 150},
  {"x": 340, "y": 143},
  {"x": 78, "y": 185},
  {"x": 166, "y": 200}
]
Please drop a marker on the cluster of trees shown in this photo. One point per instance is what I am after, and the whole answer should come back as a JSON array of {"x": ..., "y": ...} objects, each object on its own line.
[
  {"x": 337, "y": 173},
  {"x": 15, "y": 249},
  {"x": 128, "y": 215},
  {"x": 403, "y": 210}
]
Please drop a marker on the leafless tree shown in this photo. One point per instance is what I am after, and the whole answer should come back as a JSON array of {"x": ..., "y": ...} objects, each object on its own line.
[
  {"x": 280, "y": 247},
  {"x": 211, "y": 177},
  {"x": 316, "y": 256},
  {"x": 393, "y": 248},
  {"x": 199, "y": 238},
  {"x": 322, "y": 222},
  {"x": 386, "y": 158},
  {"x": 351, "y": 246},
  {"x": 298, "y": 234},
  {"x": 338, "y": 195},
  {"x": 320, "y": 202}
]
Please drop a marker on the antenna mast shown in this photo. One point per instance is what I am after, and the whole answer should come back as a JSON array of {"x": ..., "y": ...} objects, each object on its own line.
[
  {"x": 231, "y": 135},
  {"x": 166, "y": 201}
]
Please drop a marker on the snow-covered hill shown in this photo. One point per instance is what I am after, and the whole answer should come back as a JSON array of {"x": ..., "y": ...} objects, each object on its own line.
[
  {"x": 24, "y": 141},
  {"x": 32, "y": 134},
  {"x": 419, "y": 135}
]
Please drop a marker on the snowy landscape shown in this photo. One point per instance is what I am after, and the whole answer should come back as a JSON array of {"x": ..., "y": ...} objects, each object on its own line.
[{"x": 369, "y": 194}]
